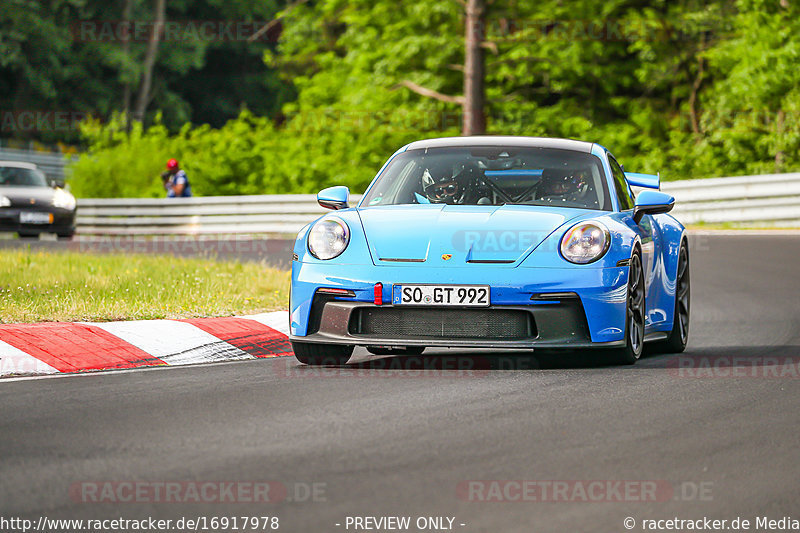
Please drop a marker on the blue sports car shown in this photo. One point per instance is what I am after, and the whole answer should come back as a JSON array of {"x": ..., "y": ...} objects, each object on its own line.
[{"x": 493, "y": 242}]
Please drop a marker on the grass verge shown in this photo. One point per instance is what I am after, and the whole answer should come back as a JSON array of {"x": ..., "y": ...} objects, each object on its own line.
[{"x": 44, "y": 287}]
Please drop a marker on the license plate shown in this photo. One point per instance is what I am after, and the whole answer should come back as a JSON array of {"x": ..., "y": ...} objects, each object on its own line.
[
  {"x": 441, "y": 295},
  {"x": 35, "y": 218}
]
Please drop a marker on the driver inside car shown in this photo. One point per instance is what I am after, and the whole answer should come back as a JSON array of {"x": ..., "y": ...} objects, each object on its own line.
[
  {"x": 457, "y": 186},
  {"x": 563, "y": 186}
]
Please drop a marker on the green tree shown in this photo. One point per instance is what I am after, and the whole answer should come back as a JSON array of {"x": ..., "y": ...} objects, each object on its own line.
[
  {"x": 71, "y": 55},
  {"x": 691, "y": 88},
  {"x": 751, "y": 115}
]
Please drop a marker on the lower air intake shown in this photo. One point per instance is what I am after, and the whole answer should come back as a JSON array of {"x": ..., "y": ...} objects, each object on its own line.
[{"x": 427, "y": 323}]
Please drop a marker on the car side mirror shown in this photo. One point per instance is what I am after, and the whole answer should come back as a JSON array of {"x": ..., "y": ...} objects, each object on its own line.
[
  {"x": 334, "y": 197},
  {"x": 652, "y": 203}
]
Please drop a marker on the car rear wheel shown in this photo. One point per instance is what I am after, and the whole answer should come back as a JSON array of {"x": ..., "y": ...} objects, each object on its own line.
[
  {"x": 634, "y": 316},
  {"x": 679, "y": 336},
  {"x": 322, "y": 354},
  {"x": 408, "y": 350},
  {"x": 28, "y": 235}
]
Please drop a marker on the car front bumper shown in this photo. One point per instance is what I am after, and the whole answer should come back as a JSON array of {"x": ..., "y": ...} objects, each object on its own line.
[
  {"x": 553, "y": 325},
  {"x": 63, "y": 221},
  {"x": 565, "y": 307}
]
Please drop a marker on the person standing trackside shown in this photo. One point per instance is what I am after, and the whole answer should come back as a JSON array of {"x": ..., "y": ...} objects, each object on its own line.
[{"x": 175, "y": 180}]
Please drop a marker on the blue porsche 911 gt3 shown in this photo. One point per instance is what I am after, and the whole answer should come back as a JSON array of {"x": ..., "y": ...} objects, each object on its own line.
[{"x": 493, "y": 242}]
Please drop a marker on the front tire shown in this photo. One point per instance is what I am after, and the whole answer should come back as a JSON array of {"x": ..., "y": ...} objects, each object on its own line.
[
  {"x": 322, "y": 354},
  {"x": 634, "y": 316},
  {"x": 679, "y": 336}
]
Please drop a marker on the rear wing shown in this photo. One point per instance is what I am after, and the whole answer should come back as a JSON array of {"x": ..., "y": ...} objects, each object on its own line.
[{"x": 649, "y": 181}]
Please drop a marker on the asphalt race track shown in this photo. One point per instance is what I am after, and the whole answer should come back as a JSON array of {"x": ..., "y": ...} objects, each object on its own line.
[
  {"x": 275, "y": 252},
  {"x": 721, "y": 443}
]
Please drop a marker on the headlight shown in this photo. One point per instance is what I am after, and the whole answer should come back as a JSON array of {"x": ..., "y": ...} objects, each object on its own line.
[
  {"x": 63, "y": 200},
  {"x": 585, "y": 243},
  {"x": 4, "y": 202},
  {"x": 328, "y": 238}
]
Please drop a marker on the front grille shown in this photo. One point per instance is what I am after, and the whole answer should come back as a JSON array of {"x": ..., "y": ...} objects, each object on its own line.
[
  {"x": 26, "y": 205},
  {"x": 428, "y": 323}
]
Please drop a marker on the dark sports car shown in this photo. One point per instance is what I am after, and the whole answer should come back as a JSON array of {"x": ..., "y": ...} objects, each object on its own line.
[{"x": 29, "y": 206}]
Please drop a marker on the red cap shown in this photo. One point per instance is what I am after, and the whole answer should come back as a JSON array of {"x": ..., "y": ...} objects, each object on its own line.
[{"x": 172, "y": 164}]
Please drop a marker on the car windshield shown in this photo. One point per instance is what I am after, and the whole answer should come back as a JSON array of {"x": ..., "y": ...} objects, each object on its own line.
[
  {"x": 26, "y": 177},
  {"x": 492, "y": 175}
]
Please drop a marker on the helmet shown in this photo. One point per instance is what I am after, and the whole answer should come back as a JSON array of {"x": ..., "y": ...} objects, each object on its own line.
[
  {"x": 172, "y": 164},
  {"x": 450, "y": 186},
  {"x": 556, "y": 182}
]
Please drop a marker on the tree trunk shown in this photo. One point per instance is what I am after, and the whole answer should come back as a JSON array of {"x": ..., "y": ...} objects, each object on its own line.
[
  {"x": 474, "y": 118},
  {"x": 127, "y": 13},
  {"x": 779, "y": 127},
  {"x": 150, "y": 60}
]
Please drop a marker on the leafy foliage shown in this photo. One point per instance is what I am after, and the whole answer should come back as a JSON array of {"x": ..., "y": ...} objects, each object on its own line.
[
  {"x": 691, "y": 88},
  {"x": 68, "y": 56}
]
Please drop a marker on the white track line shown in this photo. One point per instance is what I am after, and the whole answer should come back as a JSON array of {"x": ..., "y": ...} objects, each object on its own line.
[{"x": 118, "y": 371}]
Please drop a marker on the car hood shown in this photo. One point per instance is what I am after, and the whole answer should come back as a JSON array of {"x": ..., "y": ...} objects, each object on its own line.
[
  {"x": 27, "y": 196},
  {"x": 452, "y": 235}
]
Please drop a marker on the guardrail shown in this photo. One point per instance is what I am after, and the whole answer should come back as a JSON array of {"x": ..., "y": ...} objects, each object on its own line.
[
  {"x": 206, "y": 215},
  {"x": 769, "y": 200},
  {"x": 51, "y": 163}
]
